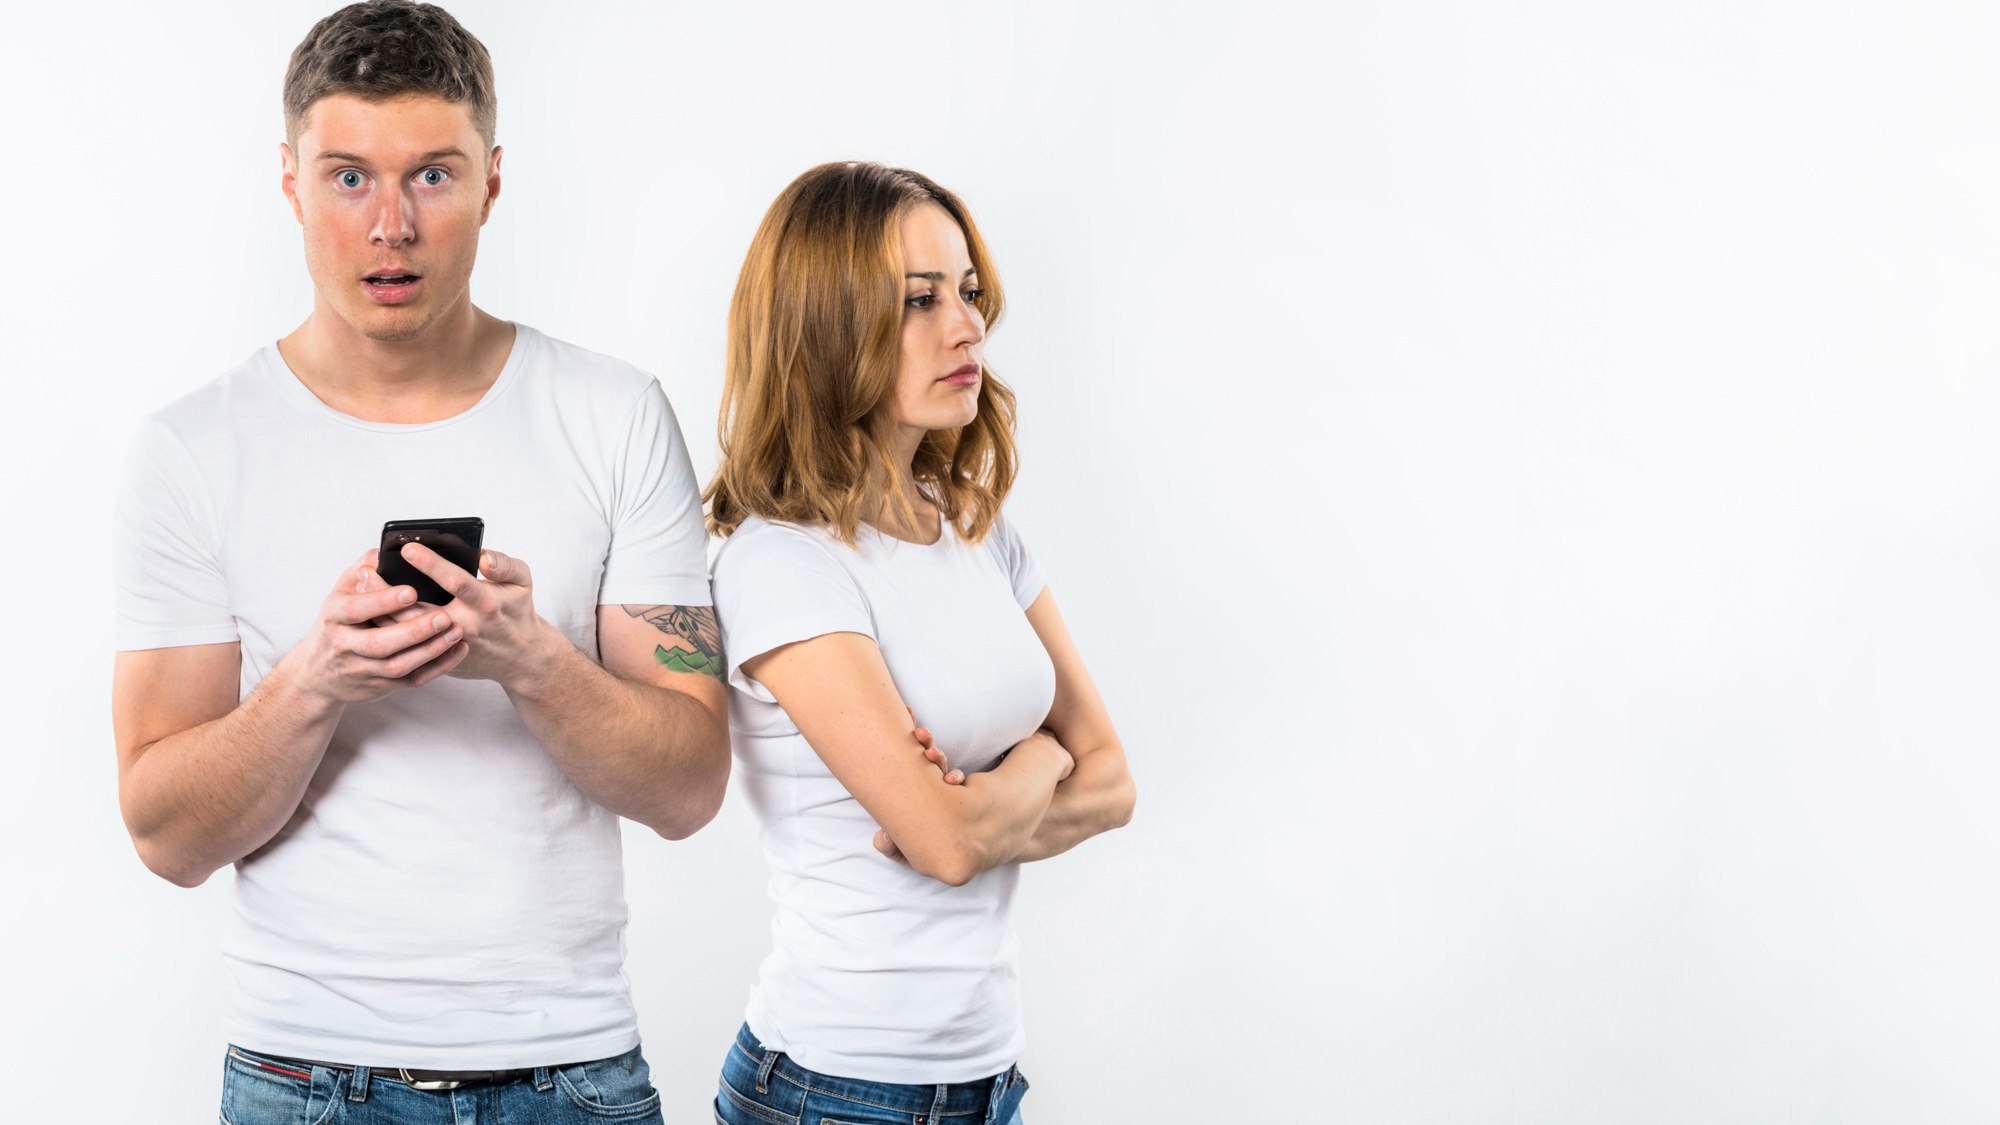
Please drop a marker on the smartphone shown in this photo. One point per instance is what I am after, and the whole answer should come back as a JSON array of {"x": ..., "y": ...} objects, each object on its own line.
[{"x": 455, "y": 539}]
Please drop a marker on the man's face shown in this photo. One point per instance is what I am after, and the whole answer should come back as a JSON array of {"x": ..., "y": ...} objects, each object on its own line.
[{"x": 392, "y": 195}]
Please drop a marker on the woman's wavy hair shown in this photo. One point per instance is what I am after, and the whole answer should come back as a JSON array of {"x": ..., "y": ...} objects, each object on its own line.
[{"x": 815, "y": 328}]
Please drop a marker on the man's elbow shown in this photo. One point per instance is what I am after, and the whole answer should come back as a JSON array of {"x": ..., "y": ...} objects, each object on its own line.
[
  {"x": 173, "y": 868},
  {"x": 699, "y": 804}
]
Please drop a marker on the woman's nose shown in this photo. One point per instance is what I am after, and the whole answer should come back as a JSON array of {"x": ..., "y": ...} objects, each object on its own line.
[{"x": 970, "y": 326}]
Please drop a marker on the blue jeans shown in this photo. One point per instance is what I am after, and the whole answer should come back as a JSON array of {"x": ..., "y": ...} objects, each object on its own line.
[
  {"x": 762, "y": 1087},
  {"x": 260, "y": 1090}
]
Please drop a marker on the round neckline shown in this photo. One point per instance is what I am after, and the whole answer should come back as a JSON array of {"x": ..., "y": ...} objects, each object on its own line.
[
  {"x": 944, "y": 529},
  {"x": 295, "y": 390}
]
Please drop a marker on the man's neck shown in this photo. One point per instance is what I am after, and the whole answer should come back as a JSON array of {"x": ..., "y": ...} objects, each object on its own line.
[{"x": 442, "y": 372}]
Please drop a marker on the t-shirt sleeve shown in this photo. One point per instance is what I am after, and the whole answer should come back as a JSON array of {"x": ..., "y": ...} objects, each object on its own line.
[
  {"x": 1016, "y": 562},
  {"x": 167, "y": 583},
  {"x": 776, "y": 584},
  {"x": 659, "y": 548}
]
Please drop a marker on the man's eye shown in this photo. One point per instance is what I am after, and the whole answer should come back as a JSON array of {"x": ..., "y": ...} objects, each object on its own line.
[
  {"x": 432, "y": 176},
  {"x": 348, "y": 179},
  {"x": 920, "y": 301}
]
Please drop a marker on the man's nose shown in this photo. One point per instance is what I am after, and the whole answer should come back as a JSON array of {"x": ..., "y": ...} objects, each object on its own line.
[{"x": 394, "y": 224}]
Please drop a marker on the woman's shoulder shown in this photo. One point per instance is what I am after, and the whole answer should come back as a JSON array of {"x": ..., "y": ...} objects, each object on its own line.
[{"x": 759, "y": 544}]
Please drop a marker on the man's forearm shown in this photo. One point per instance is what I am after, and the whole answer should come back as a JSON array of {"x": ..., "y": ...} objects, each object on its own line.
[
  {"x": 206, "y": 797},
  {"x": 649, "y": 753},
  {"x": 1096, "y": 797}
]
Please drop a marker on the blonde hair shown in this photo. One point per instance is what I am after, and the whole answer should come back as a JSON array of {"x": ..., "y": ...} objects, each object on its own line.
[{"x": 815, "y": 329}]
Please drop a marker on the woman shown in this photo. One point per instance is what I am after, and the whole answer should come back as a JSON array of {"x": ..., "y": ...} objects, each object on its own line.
[{"x": 911, "y": 718}]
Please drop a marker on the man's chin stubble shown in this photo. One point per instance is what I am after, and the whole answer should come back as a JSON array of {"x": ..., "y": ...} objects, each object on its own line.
[{"x": 394, "y": 330}]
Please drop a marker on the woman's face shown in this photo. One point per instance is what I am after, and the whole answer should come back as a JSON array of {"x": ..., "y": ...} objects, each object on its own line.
[{"x": 937, "y": 372}]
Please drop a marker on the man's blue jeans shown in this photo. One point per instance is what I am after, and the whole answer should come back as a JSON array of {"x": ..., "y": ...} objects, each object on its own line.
[
  {"x": 260, "y": 1090},
  {"x": 763, "y": 1087}
]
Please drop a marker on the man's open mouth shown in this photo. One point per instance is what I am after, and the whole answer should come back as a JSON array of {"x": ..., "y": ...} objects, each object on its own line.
[{"x": 390, "y": 278}]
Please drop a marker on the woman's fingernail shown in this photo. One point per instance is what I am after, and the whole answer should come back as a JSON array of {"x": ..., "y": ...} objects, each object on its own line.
[
  {"x": 439, "y": 621},
  {"x": 406, "y": 595}
]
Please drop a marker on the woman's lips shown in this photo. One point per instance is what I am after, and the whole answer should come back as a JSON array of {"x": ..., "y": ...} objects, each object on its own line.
[{"x": 963, "y": 377}]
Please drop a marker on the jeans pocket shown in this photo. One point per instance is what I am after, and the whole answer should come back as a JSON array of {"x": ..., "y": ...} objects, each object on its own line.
[
  {"x": 734, "y": 1106},
  {"x": 260, "y": 1090},
  {"x": 618, "y": 1087}
]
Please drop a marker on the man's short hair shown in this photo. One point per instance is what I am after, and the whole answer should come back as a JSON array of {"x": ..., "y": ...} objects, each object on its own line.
[{"x": 382, "y": 49}]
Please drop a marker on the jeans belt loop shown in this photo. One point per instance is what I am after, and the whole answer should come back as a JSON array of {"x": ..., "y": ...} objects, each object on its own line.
[
  {"x": 937, "y": 1106},
  {"x": 358, "y": 1090},
  {"x": 764, "y": 1071},
  {"x": 542, "y": 1079},
  {"x": 994, "y": 1094}
]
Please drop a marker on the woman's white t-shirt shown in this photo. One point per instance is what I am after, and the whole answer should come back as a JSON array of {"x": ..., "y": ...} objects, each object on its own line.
[{"x": 877, "y": 972}]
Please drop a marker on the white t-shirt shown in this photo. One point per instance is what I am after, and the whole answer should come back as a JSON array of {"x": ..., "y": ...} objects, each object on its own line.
[
  {"x": 877, "y": 972},
  {"x": 444, "y": 897}
]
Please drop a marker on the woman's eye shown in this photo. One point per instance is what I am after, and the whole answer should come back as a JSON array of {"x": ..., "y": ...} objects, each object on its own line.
[
  {"x": 971, "y": 296},
  {"x": 920, "y": 301},
  {"x": 348, "y": 179},
  {"x": 431, "y": 176}
]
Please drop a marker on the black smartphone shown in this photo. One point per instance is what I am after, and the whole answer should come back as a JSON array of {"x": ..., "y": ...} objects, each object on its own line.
[{"x": 454, "y": 539}]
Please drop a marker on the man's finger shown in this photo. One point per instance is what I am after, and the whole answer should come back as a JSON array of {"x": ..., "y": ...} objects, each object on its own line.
[
  {"x": 440, "y": 666},
  {"x": 442, "y": 570},
  {"x": 503, "y": 568},
  {"x": 410, "y": 659},
  {"x": 390, "y": 640},
  {"x": 351, "y": 579},
  {"x": 358, "y": 609}
]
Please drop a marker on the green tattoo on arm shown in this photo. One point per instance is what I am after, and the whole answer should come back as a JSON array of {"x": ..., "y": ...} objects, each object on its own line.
[{"x": 700, "y": 647}]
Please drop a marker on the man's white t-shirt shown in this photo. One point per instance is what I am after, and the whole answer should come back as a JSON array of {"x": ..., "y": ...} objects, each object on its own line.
[
  {"x": 877, "y": 972},
  {"x": 444, "y": 898}
]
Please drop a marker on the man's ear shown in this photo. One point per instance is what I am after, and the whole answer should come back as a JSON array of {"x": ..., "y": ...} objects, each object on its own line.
[
  {"x": 288, "y": 181},
  {"x": 492, "y": 185}
]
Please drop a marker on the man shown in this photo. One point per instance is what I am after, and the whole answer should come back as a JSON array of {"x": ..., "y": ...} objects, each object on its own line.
[{"x": 421, "y": 803}]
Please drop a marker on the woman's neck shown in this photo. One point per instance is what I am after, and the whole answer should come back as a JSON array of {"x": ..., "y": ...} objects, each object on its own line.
[{"x": 916, "y": 522}]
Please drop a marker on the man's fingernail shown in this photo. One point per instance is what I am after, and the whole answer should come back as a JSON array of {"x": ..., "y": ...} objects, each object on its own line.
[
  {"x": 439, "y": 621},
  {"x": 406, "y": 596}
]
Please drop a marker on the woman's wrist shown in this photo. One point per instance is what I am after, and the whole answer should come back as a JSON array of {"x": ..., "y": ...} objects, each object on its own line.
[{"x": 1048, "y": 753}]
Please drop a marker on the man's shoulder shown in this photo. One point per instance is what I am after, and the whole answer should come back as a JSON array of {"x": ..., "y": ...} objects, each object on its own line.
[
  {"x": 575, "y": 370},
  {"x": 238, "y": 394}
]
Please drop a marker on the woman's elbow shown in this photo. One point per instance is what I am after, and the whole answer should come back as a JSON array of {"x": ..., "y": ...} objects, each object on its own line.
[
  {"x": 1122, "y": 806},
  {"x": 953, "y": 863}
]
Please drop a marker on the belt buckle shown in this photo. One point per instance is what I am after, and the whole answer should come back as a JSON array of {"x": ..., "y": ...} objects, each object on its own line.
[{"x": 403, "y": 1072}]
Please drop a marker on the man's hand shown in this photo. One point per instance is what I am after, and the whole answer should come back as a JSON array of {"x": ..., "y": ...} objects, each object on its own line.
[
  {"x": 509, "y": 642},
  {"x": 345, "y": 658}
]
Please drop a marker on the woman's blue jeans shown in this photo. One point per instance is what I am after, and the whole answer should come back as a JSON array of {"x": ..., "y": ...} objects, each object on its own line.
[{"x": 763, "y": 1087}]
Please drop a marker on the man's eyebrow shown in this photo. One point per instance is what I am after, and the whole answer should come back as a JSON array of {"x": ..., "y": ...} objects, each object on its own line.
[
  {"x": 438, "y": 154},
  {"x": 938, "y": 275}
]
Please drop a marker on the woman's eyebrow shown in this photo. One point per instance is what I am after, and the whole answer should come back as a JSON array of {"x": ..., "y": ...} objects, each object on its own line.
[{"x": 938, "y": 275}]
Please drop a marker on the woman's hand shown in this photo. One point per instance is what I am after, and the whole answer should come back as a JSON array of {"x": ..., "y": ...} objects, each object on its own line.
[
  {"x": 936, "y": 756},
  {"x": 950, "y": 776}
]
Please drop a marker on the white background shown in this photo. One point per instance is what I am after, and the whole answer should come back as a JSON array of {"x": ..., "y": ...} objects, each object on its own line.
[{"x": 1524, "y": 476}]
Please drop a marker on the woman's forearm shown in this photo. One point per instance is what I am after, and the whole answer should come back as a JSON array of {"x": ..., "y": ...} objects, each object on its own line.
[
  {"x": 1098, "y": 796},
  {"x": 995, "y": 813}
]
